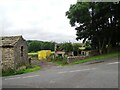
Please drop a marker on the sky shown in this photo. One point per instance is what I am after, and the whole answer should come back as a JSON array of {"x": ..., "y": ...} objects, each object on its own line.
[{"x": 43, "y": 20}]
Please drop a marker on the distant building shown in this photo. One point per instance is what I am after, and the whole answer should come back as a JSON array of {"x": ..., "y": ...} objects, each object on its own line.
[
  {"x": 14, "y": 52},
  {"x": 60, "y": 53},
  {"x": 89, "y": 52},
  {"x": 86, "y": 53}
]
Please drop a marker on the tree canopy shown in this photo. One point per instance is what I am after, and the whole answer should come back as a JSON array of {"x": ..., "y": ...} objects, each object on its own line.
[
  {"x": 98, "y": 22},
  {"x": 34, "y": 46},
  {"x": 67, "y": 46}
]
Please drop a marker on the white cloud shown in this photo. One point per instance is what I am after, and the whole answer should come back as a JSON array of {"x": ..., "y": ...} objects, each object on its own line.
[{"x": 37, "y": 19}]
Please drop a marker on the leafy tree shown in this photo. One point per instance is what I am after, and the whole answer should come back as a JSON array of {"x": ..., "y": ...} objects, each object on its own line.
[
  {"x": 34, "y": 46},
  {"x": 67, "y": 47},
  {"x": 96, "y": 21},
  {"x": 88, "y": 45},
  {"x": 76, "y": 46}
]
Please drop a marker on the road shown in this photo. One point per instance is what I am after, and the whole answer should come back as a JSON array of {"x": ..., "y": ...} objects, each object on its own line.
[{"x": 98, "y": 75}]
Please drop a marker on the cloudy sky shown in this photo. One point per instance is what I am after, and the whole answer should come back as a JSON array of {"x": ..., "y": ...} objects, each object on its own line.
[{"x": 37, "y": 19}]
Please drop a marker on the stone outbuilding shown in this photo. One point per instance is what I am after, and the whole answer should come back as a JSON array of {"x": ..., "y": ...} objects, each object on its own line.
[{"x": 14, "y": 52}]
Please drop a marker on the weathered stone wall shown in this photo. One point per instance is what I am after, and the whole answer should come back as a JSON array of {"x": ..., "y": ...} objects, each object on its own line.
[
  {"x": 21, "y": 60},
  {"x": 7, "y": 58},
  {"x": 75, "y": 58},
  {"x": 14, "y": 54}
]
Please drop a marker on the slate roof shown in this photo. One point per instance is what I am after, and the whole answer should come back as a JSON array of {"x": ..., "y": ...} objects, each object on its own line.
[{"x": 9, "y": 40}]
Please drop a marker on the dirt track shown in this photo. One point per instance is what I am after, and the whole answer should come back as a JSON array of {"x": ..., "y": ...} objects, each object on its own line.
[{"x": 43, "y": 65}]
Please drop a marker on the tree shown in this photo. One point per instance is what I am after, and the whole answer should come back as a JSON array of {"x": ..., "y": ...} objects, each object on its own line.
[
  {"x": 76, "y": 46},
  {"x": 67, "y": 47},
  {"x": 34, "y": 46},
  {"x": 97, "y": 22}
]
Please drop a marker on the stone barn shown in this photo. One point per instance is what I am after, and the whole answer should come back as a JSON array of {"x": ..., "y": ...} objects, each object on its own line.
[{"x": 14, "y": 52}]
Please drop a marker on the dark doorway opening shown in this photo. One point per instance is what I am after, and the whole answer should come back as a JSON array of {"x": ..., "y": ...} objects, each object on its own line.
[
  {"x": 21, "y": 51},
  {"x": 75, "y": 53},
  {"x": 60, "y": 55}
]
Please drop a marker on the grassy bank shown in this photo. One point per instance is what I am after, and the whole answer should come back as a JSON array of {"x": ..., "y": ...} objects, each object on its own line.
[
  {"x": 98, "y": 57},
  {"x": 21, "y": 71}
]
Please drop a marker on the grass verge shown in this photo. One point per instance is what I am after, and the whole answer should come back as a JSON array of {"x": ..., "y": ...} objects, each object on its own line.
[
  {"x": 99, "y": 57},
  {"x": 21, "y": 71}
]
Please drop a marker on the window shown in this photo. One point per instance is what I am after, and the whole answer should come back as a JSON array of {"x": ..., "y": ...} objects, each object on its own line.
[{"x": 21, "y": 51}]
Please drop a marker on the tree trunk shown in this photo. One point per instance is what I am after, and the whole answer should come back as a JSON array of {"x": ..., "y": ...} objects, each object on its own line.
[
  {"x": 100, "y": 51},
  {"x": 101, "y": 46},
  {"x": 108, "y": 48}
]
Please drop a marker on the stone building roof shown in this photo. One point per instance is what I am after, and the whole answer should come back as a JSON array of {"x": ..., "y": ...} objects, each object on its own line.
[{"x": 9, "y": 40}]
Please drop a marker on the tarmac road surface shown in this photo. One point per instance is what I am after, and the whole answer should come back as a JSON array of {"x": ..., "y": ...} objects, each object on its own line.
[{"x": 87, "y": 75}]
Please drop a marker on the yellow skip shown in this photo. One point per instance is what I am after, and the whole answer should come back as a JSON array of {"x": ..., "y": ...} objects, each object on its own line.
[{"x": 43, "y": 54}]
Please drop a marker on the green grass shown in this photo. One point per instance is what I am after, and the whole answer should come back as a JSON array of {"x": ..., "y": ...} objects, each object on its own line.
[
  {"x": 99, "y": 57},
  {"x": 21, "y": 71},
  {"x": 33, "y": 55},
  {"x": 61, "y": 63},
  {"x": 30, "y": 69}
]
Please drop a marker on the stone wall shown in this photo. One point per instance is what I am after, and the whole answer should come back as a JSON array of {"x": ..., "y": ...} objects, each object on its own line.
[
  {"x": 7, "y": 58},
  {"x": 94, "y": 52},
  {"x": 82, "y": 56},
  {"x": 13, "y": 57},
  {"x": 75, "y": 58},
  {"x": 21, "y": 57}
]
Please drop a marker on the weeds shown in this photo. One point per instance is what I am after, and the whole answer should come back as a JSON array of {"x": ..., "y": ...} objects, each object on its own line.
[
  {"x": 20, "y": 71},
  {"x": 59, "y": 60}
]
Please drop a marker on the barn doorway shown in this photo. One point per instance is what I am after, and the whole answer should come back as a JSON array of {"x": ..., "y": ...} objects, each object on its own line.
[{"x": 75, "y": 53}]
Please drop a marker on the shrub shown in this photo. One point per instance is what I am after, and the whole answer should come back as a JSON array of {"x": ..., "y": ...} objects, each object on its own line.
[
  {"x": 59, "y": 60},
  {"x": 8, "y": 72}
]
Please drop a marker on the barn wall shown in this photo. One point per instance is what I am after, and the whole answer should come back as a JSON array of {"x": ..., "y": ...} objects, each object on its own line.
[
  {"x": 21, "y": 60},
  {"x": 7, "y": 58}
]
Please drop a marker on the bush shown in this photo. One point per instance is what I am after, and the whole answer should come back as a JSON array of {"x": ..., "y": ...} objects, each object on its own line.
[
  {"x": 59, "y": 60},
  {"x": 8, "y": 72}
]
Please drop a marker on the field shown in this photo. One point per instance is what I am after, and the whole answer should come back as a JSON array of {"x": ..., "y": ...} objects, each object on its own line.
[{"x": 33, "y": 55}]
